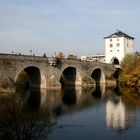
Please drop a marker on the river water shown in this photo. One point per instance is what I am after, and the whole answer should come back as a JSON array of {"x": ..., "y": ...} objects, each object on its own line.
[{"x": 76, "y": 113}]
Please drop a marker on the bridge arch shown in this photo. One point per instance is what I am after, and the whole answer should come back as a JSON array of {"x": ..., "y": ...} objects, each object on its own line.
[
  {"x": 30, "y": 76},
  {"x": 68, "y": 76},
  {"x": 98, "y": 75}
]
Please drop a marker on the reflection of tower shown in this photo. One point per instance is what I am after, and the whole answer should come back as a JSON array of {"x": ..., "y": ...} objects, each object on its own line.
[{"x": 116, "y": 115}]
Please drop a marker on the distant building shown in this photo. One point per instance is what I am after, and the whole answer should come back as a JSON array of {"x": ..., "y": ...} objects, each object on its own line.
[
  {"x": 117, "y": 45},
  {"x": 84, "y": 58},
  {"x": 95, "y": 58}
]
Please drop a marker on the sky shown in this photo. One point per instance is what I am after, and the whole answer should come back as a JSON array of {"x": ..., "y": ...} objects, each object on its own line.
[{"x": 69, "y": 26}]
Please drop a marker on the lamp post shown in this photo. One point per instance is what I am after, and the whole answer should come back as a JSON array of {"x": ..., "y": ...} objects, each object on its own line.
[{"x": 30, "y": 52}]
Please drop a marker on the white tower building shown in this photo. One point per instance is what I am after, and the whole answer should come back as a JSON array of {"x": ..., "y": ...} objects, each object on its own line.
[{"x": 117, "y": 45}]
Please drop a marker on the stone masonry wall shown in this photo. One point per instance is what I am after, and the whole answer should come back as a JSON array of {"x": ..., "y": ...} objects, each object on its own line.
[{"x": 12, "y": 65}]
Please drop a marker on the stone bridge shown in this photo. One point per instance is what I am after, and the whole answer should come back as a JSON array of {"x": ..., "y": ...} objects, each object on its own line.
[{"x": 48, "y": 72}]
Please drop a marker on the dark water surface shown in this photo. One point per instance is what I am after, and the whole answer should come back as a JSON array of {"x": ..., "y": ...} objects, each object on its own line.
[{"x": 80, "y": 113}]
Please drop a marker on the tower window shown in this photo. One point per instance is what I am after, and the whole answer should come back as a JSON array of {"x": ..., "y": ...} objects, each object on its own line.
[
  {"x": 111, "y": 40},
  {"x": 118, "y": 44},
  {"x": 111, "y": 45}
]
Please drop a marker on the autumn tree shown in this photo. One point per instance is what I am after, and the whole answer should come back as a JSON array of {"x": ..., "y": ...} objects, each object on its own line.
[
  {"x": 72, "y": 57},
  {"x": 60, "y": 55},
  {"x": 130, "y": 70}
]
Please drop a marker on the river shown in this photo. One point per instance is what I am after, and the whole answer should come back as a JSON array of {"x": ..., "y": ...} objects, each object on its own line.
[{"x": 70, "y": 114}]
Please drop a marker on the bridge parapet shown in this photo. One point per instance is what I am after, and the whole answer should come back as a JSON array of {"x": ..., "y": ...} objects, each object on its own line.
[{"x": 23, "y": 57}]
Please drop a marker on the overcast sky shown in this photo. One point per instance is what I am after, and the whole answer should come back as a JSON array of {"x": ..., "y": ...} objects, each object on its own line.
[{"x": 68, "y": 26}]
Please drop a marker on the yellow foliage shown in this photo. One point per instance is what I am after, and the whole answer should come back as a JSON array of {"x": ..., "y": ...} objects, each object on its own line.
[{"x": 130, "y": 70}]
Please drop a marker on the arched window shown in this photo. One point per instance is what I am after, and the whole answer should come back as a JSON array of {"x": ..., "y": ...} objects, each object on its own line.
[{"x": 115, "y": 61}]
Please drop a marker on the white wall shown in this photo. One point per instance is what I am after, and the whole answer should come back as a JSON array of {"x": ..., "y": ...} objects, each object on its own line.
[
  {"x": 129, "y": 46},
  {"x": 118, "y": 52}
]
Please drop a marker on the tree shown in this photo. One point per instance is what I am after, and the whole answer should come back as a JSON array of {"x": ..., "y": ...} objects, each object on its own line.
[
  {"x": 72, "y": 57},
  {"x": 60, "y": 55},
  {"x": 130, "y": 75}
]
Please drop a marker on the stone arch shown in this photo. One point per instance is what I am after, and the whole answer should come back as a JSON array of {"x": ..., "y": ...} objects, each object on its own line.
[
  {"x": 98, "y": 75},
  {"x": 68, "y": 76},
  {"x": 115, "y": 61},
  {"x": 30, "y": 76}
]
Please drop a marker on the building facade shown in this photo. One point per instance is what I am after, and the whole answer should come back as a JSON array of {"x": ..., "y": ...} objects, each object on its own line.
[
  {"x": 117, "y": 45},
  {"x": 95, "y": 58}
]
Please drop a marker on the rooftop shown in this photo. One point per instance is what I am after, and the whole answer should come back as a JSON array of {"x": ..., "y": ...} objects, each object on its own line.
[{"x": 119, "y": 34}]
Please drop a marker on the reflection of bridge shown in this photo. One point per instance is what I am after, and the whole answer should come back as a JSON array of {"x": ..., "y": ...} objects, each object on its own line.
[
  {"x": 64, "y": 101},
  {"x": 37, "y": 72}
]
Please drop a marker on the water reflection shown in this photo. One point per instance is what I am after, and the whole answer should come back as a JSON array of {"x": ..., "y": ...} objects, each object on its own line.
[
  {"x": 117, "y": 90},
  {"x": 20, "y": 118},
  {"x": 115, "y": 115},
  {"x": 97, "y": 92},
  {"x": 58, "y": 102},
  {"x": 69, "y": 95},
  {"x": 118, "y": 116},
  {"x": 33, "y": 100},
  {"x": 51, "y": 102},
  {"x": 98, "y": 105}
]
